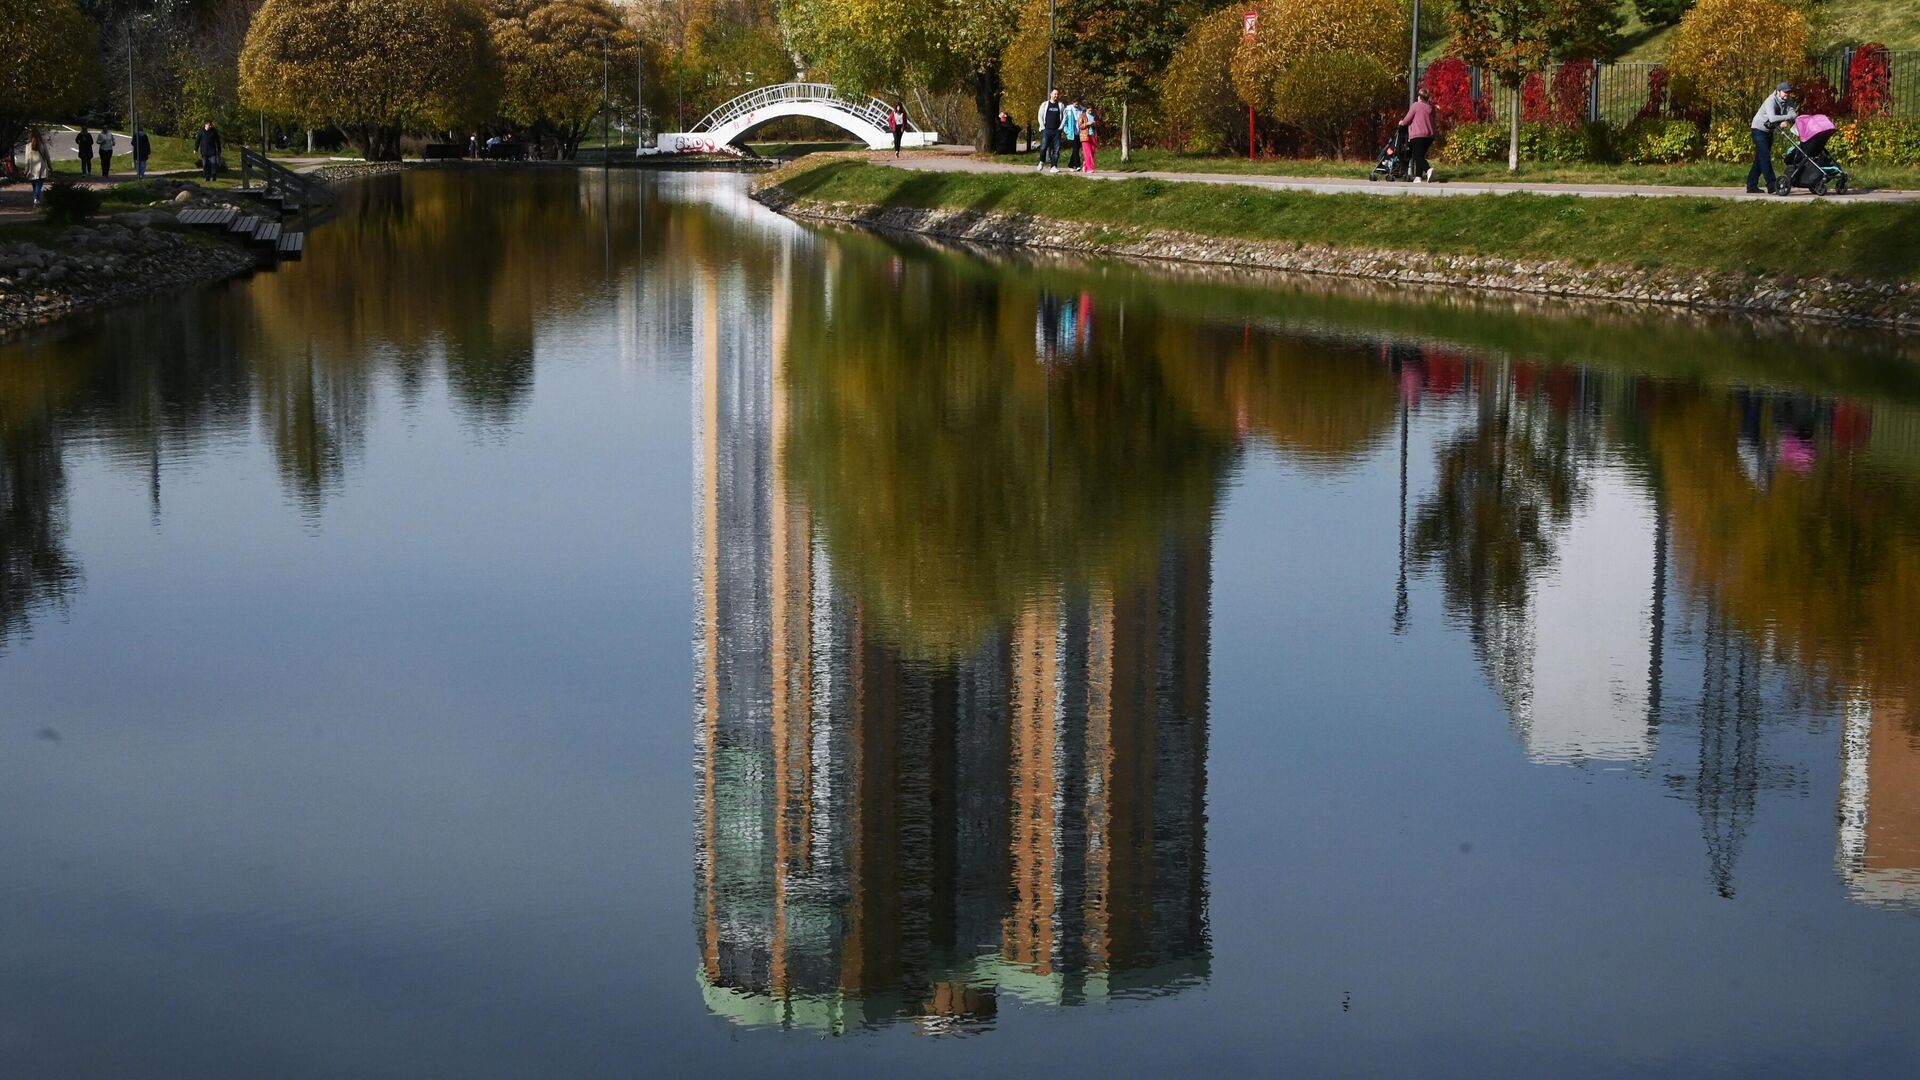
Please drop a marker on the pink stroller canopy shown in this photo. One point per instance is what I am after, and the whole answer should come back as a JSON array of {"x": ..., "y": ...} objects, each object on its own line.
[{"x": 1812, "y": 124}]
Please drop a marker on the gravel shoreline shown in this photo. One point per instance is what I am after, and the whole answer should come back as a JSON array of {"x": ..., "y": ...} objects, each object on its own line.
[
  {"x": 1868, "y": 303},
  {"x": 108, "y": 261}
]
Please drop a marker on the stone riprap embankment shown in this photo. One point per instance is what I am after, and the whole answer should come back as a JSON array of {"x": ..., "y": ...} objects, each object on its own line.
[
  {"x": 51, "y": 273},
  {"x": 1882, "y": 303}
]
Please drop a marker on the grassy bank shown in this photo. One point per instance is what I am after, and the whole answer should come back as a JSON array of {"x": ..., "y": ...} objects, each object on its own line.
[
  {"x": 1705, "y": 174},
  {"x": 1832, "y": 239}
]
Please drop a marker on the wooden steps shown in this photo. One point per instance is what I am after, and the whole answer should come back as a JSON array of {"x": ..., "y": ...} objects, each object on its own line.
[
  {"x": 268, "y": 233},
  {"x": 216, "y": 217},
  {"x": 293, "y": 245}
]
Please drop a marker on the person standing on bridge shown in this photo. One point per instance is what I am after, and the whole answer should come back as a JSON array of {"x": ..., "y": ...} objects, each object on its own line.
[
  {"x": 897, "y": 123},
  {"x": 1052, "y": 120},
  {"x": 207, "y": 144}
]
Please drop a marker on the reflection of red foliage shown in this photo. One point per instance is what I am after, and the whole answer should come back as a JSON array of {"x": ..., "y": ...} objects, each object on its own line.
[
  {"x": 1852, "y": 424},
  {"x": 1562, "y": 384},
  {"x": 1870, "y": 83},
  {"x": 1656, "y": 94},
  {"x": 1817, "y": 95},
  {"x": 1522, "y": 379},
  {"x": 1450, "y": 81},
  {"x": 1446, "y": 372}
]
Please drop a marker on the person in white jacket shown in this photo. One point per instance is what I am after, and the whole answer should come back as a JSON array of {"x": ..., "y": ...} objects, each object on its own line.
[
  {"x": 104, "y": 144},
  {"x": 36, "y": 163},
  {"x": 1052, "y": 118}
]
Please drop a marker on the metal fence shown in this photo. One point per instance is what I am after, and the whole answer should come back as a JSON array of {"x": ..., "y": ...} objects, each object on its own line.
[{"x": 1618, "y": 92}]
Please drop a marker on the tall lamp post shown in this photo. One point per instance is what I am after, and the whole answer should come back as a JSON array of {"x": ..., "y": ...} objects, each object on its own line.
[
  {"x": 1052, "y": 32},
  {"x": 1413, "y": 67}
]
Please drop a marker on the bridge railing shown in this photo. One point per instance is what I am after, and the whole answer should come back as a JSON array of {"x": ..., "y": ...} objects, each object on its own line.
[{"x": 872, "y": 110}]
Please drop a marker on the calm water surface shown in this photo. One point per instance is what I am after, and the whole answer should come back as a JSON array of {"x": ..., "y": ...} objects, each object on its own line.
[{"x": 583, "y": 628}]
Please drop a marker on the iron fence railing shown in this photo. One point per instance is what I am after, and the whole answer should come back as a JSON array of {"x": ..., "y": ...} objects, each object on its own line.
[
  {"x": 1618, "y": 92},
  {"x": 872, "y": 110}
]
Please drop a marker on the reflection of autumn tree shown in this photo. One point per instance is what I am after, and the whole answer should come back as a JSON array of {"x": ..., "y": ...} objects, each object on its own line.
[
  {"x": 1502, "y": 489},
  {"x": 35, "y": 567},
  {"x": 954, "y": 474},
  {"x": 1320, "y": 403},
  {"x": 1825, "y": 564}
]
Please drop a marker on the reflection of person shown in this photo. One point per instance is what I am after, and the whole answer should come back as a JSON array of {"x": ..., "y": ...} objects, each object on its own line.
[
  {"x": 1052, "y": 121},
  {"x": 208, "y": 146},
  {"x": 1420, "y": 133},
  {"x": 1776, "y": 110}
]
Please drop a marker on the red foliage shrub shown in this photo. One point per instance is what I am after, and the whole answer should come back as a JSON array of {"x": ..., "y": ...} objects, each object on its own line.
[
  {"x": 1534, "y": 104},
  {"x": 1572, "y": 83},
  {"x": 1817, "y": 95},
  {"x": 1450, "y": 81},
  {"x": 1656, "y": 95},
  {"x": 1870, "y": 83}
]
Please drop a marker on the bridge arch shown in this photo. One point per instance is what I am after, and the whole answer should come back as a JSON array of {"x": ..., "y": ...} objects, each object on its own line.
[{"x": 865, "y": 118}]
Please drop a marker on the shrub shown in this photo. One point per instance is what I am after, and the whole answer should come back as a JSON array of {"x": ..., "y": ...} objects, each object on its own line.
[
  {"x": 1572, "y": 86},
  {"x": 1552, "y": 144},
  {"x": 1727, "y": 140},
  {"x": 1870, "y": 81},
  {"x": 1814, "y": 94},
  {"x": 1653, "y": 141},
  {"x": 1474, "y": 143},
  {"x": 1879, "y": 140},
  {"x": 1656, "y": 94},
  {"x": 68, "y": 203},
  {"x": 1342, "y": 52},
  {"x": 1534, "y": 105},
  {"x": 1450, "y": 81},
  {"x": 1729, "y": 53},
  {"x": 1196, "y": 93}
]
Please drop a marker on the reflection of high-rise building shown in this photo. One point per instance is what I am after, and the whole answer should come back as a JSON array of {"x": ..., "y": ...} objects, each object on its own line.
[
  {"x": 882, "y": 838},
  {"x": 1879, "y": 856}
]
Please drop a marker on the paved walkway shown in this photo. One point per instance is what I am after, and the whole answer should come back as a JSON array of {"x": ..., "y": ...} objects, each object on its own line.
[{"x": 960, "y": 159}]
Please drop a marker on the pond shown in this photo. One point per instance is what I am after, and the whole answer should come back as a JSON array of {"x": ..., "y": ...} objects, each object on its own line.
[{"x": 584, "y": 626}]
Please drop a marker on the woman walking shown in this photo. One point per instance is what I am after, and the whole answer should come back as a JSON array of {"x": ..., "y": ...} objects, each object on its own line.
[
  {"x": 897, "y": 123},
  {"x": 83, "y": 143},
  {"x": 1420, "y": 133},
  {"x": 1071, "y": 133},
  {"x": 34, "y": 163},
  {"x": 106, "y": 144},
  {"x": 1089, "y": 138}
]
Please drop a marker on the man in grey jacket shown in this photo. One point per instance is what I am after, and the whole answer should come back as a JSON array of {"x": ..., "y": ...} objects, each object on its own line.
[{"x": 1776, "y": 110}]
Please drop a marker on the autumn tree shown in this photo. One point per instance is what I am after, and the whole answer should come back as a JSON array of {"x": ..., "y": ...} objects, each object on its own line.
[
  {"x": 374, "y": 68},
  {"x": 1728, "y": 54},
  {"x": 1128, "y": 42},
  {"x": 1197, "y": 101},
  {"x": 554, "y": 58},
  {"x": 48, "y": 64},
  {"x": 1322, "y": 66},
  {"x": 1512, "y": 39}
]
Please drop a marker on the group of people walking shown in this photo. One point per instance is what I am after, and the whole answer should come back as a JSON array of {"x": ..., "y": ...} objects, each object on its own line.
[
  {"x": 1072, "y": 123},
  {"x": 36, "y": 157}
]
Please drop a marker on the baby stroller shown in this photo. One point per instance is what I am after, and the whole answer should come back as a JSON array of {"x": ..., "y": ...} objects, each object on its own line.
[
  {"x": 1808, "y": 164},
  {"x": 1394, "y": 162}
]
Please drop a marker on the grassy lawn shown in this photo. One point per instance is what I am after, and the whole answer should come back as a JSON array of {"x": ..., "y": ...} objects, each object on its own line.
[
  {"x": 1863, "y": 240},
  {"x": 1693, "y": 174}
]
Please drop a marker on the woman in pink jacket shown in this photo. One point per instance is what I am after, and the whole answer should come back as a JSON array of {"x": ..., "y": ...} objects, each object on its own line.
[{"x": 1420, "y": 132}]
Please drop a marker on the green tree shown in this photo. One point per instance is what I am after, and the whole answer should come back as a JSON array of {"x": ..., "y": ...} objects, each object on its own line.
[
  {"x": 1661, "y": 12},
  {"x": 1128, "y": 42},
  {"x": 555, "y": 57},
  {"x": 1515, "y": 38},
  {"x": 1306, "y": 48},
  {"x": 48, "y": 64},
  {"x": 374, "y": 68},
  {"x": 1197, "y": 102}
]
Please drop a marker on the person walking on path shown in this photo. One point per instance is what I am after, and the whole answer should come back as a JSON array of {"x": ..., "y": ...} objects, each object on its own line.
[
  {"x": 1071, "y": 133},
  {"x": 1776, "y": 110},
  {"x": 1089, "y": 138},
  {"x": 207, "y": 145},
  {"x": 897, "y": 123},
  {"x": 106, "y": 144},
  {"x": 83, "y": 143},
  {"x": 1052, "y": 121},
  {"x": 142, "y": 150},
  {"x": 1420, "y": 133},
  {"x": 35, "y": 164}
]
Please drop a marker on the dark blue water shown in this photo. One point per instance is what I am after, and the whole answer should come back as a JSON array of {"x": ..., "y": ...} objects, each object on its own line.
[{"x": 581, "y": 628}]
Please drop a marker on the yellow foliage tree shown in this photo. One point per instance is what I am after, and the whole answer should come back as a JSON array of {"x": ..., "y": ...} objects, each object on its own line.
[
  {"x": 1728, "y": 54},
  {"x": 47, "y": 64},
  {"x": 374, "y": 68},
  {"x": 560, "y": 61},
  {"x": 1271, "y": 68},
  {"x": 1201, "y": 110}
]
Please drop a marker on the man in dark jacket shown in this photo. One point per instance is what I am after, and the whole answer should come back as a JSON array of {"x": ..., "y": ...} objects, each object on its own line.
[
  {"x": 207, "y": 145},
  {"x": 83, "y": 143},
  {"x": 142, "y": 150}
]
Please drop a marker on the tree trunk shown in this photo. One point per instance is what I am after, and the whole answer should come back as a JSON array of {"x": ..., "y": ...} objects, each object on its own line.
[
  {"x": 1513, "y": 136},
  {"x": 986, "y": 100}
]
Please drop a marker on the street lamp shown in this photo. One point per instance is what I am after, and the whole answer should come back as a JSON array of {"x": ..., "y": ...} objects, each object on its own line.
[
  {"x": 1413, "y": 68},
  {"x": 1052, "y": 6}
]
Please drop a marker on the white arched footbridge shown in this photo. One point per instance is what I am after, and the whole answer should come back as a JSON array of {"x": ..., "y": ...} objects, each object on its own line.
[{"x": 865, "y": 118}]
